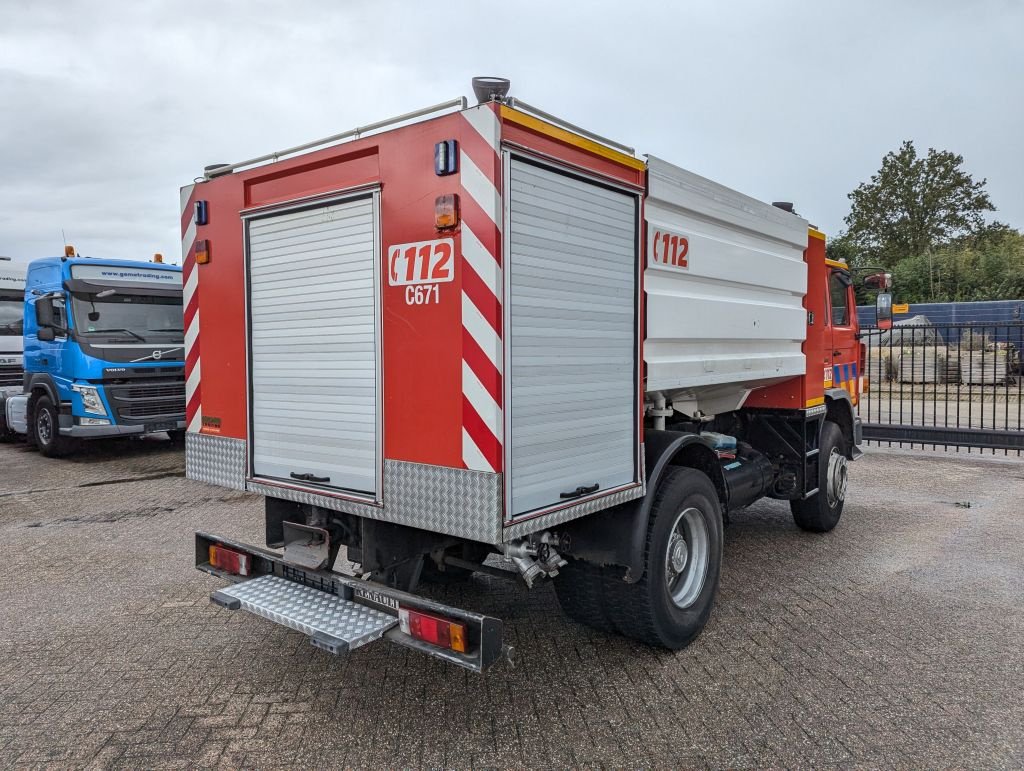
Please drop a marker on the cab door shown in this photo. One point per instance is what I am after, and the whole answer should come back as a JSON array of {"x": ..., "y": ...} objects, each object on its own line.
[
  {"x": 45, "y": 356},
  {"x": 843, "y": 322}
]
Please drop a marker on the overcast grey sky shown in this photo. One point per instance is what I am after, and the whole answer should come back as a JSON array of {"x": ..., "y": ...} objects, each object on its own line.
[{"x": 106, "y": 108}]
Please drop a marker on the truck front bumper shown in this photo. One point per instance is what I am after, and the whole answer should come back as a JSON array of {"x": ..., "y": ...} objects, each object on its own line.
[{"x": 99, "y": 432}]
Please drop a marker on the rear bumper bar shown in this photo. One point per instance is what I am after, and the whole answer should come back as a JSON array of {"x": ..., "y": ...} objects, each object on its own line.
[{"x": 484, "y": 632}]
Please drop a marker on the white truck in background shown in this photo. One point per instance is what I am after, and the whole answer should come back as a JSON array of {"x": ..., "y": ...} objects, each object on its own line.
[{"x": 12, "y": 303}]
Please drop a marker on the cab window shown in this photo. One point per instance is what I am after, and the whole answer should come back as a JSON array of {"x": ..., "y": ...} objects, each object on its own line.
[
  {"x": 839, "y": 298},
  {"x": 59, "y": 314}
]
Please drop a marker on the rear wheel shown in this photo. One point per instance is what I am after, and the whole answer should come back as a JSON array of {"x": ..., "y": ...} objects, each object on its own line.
[
  {"x": 821, "y": 512},
  {"x": 671, "y": 604},
  {"x": 45, "y": 429}
]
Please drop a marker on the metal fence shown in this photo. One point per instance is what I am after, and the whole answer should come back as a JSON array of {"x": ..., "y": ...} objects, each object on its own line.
[{"x": 951, "y": 386}]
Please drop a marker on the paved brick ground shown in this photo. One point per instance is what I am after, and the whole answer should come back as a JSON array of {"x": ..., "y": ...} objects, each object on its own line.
[{"x": 894, "y": 641}]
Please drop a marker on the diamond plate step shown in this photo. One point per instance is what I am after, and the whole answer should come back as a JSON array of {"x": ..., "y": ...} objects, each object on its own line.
[{"x": 334, "y": 624}]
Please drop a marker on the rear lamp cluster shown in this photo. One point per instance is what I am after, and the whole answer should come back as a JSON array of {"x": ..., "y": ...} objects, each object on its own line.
[
  {"x": 230, "y": 561},
  {"x": 433, "y": 629}
]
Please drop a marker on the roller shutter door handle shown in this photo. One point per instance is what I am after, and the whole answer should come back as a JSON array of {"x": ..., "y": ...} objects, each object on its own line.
[
  {"x": 309, "y": 477},
  {"x": 580, "y": 491}
]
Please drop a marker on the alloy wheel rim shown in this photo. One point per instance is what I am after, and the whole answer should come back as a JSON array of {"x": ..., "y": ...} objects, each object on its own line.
[
  {"x": 837, "y": 480},
  {"x": 687, "y": 557},
  {"x": 44, "y": 426}
]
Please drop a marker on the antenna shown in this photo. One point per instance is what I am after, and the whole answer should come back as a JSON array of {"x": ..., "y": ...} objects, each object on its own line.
[{"x": 63, "y": 238}]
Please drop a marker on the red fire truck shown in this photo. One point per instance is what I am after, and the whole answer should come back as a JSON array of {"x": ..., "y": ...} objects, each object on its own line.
[{"x": 478, "y": 330}]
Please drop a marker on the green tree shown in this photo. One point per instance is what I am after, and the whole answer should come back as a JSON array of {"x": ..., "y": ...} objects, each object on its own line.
[
  {"x": 987, "y": 265},
  {"x": 843, "y": 249},
  {"x": 913, "y": 205}
]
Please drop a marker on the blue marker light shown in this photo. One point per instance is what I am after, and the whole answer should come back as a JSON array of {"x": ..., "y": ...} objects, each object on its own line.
[{"x": 446, "y": 157}]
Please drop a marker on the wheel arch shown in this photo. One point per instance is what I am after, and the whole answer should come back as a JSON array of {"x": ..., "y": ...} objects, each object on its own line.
[
  {"x": 839, "y": 409},
  {"x": 43, "y": 384},
  {"x": 618, "y": 535}
]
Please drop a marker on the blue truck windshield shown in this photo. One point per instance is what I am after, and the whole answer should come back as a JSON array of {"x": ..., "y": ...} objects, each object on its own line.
[
  {"x": 143, "y": 317},
  {"x": 11, "y": 309}
]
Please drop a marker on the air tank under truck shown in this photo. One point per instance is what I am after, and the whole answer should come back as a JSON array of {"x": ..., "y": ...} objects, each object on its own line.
[{"x": 482, "y": 330}]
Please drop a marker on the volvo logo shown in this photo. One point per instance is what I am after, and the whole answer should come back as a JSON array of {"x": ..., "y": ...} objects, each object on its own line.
[{"x": 157, "y": 355}]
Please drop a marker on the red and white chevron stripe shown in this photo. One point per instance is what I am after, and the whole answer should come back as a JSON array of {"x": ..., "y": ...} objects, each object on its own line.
[
  {"x": 480, "y": 173},
  {"x": 190, "y": 298}
]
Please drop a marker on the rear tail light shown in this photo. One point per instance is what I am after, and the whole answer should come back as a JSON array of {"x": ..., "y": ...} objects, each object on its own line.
[
  {"x": 433, "y": 629},
  {"x": 229, "y": 561}
]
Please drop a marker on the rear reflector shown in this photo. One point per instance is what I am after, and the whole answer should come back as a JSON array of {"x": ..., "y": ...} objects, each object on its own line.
[
  {"x": 229, "y": 561},
  {"x": 433, "y": 629}
]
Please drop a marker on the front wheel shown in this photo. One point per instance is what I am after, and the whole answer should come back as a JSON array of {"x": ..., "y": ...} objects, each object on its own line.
[
  {"x": 671, "y": 604},
  {"x": 821, "y": 512},
  {"x": 45, "y": 429}
]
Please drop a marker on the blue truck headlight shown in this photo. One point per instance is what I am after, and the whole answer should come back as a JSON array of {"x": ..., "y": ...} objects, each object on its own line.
[{"x": 91, "y": 401}]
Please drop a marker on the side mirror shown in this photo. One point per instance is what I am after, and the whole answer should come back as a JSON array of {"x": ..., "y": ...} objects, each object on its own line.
[
  {"x": 883, "y": 311},
  {"x": 44, "y": 313},
  {"x": 47, "y": 334}
]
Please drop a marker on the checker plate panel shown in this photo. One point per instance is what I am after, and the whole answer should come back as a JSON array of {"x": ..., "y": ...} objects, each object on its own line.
[{"x": 310, "y": 611}]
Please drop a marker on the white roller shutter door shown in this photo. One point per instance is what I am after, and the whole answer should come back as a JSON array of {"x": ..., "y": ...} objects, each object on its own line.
[
  {"x": 314, "y": 350},
  {"x": 572, "y": 336}
]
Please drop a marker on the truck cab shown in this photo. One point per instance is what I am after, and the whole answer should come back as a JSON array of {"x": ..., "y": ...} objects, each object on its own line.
[{"x": 103, "y": 352}]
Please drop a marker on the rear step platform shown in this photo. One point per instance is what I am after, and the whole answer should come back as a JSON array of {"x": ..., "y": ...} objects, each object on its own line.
[
  {"x": 340, "y": 613},
  {"x": 333, "y": 624}
]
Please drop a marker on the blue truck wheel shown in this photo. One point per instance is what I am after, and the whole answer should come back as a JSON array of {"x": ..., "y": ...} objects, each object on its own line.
[{"x": 45, "y": 428}]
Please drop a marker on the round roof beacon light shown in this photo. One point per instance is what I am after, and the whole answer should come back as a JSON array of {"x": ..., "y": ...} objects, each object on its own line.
[{"x": 487, "y": 89}]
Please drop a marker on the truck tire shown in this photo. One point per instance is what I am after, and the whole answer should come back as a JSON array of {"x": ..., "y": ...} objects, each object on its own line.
[
  {"x": 821, "y": 512},
  {"x": 177, "y": 436},
  {"x": 579, "y": 587},
  {"x": 45, "y": 429},
  {"x": 670, "y": 605}
]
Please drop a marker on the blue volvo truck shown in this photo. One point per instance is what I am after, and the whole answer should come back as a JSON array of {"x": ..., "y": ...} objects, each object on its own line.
[{"x": 104, "y": 352}]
